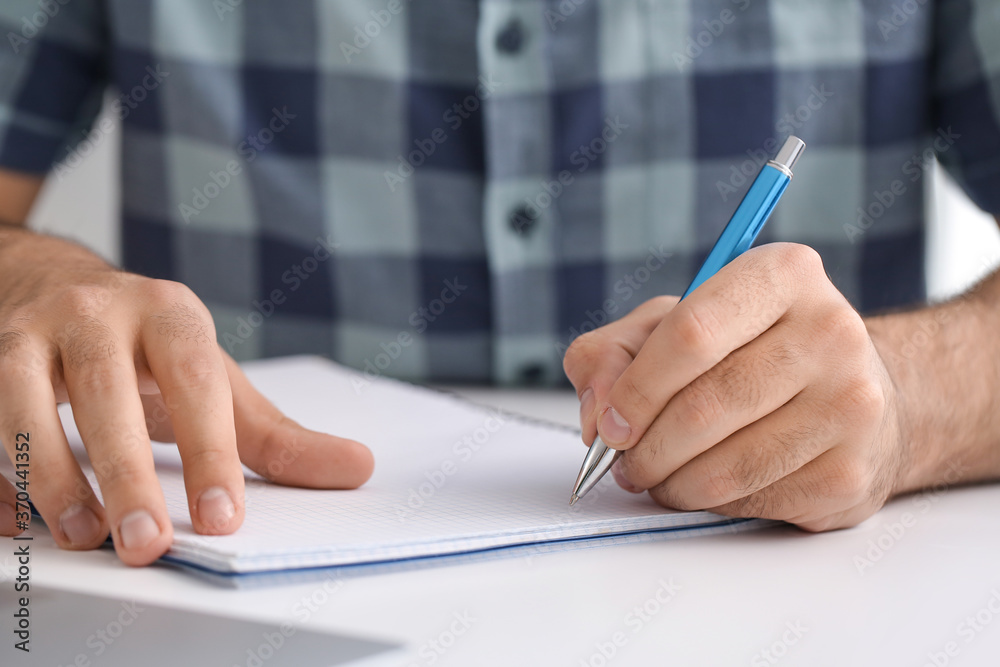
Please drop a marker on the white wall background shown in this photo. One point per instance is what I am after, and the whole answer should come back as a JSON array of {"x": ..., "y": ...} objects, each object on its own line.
[{"x": 963, "y": 244}]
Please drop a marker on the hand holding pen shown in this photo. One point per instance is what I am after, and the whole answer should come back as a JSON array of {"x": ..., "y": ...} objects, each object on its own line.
[{"x": 760, "y": 394}]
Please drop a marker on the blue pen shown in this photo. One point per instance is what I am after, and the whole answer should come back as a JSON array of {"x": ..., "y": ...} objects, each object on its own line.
[{"x": 736, "y": 239}]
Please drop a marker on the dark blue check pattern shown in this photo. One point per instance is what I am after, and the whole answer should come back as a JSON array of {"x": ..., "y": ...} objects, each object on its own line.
[{"x": 453, "y": 190}]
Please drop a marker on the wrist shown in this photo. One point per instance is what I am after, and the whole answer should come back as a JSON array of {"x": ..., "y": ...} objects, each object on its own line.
[
  {"x": 899, "y": 430},
  {"x": 32, "y": 263},
  {"x": 941, "y": 365}
]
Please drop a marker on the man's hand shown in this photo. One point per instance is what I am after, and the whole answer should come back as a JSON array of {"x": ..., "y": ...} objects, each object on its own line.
[
  {"x": 759, "y": 395},
  {"x": 137, "y": 359}
]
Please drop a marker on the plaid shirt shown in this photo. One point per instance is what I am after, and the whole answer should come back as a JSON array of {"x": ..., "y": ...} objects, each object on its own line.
[{"x": 454, "y": 189}]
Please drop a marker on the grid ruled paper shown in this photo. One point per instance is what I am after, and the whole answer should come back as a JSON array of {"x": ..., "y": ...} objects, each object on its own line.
[{"x": 450, "y": 478}]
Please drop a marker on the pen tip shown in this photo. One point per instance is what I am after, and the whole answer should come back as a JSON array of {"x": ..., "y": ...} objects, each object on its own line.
[{"x": 572, "y": 501}]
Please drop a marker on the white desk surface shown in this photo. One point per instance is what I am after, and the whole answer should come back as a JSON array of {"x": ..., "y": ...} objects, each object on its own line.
[{"x": 935, "y": 588}]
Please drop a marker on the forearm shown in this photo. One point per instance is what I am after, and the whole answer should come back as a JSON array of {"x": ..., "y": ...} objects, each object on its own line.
[
  {"x": 18, "y": 193},
  {"x": 30, "y": 258},
  {"x": 945, "y": 363}
]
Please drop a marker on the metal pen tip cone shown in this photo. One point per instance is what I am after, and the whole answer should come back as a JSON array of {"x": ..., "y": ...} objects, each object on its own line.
[{"x": 572, "y": 501}]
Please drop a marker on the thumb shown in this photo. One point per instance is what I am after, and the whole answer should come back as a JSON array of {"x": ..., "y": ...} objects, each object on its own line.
[
  {"x": 282, "y": 451},
  {"x": 595, "y": 360}
]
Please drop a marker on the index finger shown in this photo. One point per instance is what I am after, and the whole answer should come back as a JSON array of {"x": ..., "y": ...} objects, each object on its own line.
[
  {"x": 743, "y": 300},
  {"x": 595, "y": 360}
]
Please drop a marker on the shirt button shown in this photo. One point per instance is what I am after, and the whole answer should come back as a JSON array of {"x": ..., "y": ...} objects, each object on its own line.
[
  {"x": 522, "y": 220},
  {"x": 510, "y": 40}
]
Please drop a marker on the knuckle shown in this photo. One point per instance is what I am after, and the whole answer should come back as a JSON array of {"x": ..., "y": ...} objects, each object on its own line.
[
  {"x": 196, "y": 370},
  {"x": 97, "y": 379},
  {"x": 769, "y": 503},
  {"x": 845, "y": 328},
  {"x": 720, "y": 487},
  {"x": 801, "y": 259},
  {"x": 790, "y": 449},
  {"x": 820, "y": 525},
  {"x": 847, "y": 482},
  {"x": 585, "y": 350},
  {"x": 75, "y": 491},
  {"x": 186, "y": 323},
  {"x": 208, "y": 459},
  {"x": 736, "y": 384},
  {"x": 750, "y": 474},
  {"x": 628, "y": 392},
  {"x": 85, "y": 300},
  {"x": 636, "y": 463},
  {"x": 665, "y": 496},
  {"x": 780, "y": 355},
  {"x": 278, "y": 449},
  {"x": 12, "y": 342},
  {"x": 90, "y": 342},
  {"x": 697, "y": 329},
  {"x": 662, "y": 303},
  {"x": 119, "y": 474},
  {"x": 873, "y": 399},
  {"x": 864, "y": 401},
  {"x": 699, "y": 408},
  {"x": 20, "y": 360},
  {"x": 167, "y": 292}
]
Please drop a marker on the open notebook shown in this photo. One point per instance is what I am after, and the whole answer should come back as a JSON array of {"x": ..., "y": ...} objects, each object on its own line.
[{"x": 451, "y": 478}]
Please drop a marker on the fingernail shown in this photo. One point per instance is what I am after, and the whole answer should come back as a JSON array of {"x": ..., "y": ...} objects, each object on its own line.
[
  {"x": 215, "y": 507},
  {"x": 138, "y": 529},
  {"x": 586, "y": 404},
  {"x": 613, "y": 427},
  {"x": 619, "y": 476},
  {"x": 79, "y": 524}
]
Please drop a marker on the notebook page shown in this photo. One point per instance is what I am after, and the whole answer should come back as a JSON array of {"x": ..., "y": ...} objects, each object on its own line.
[{"x": 450, "y": 477}]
